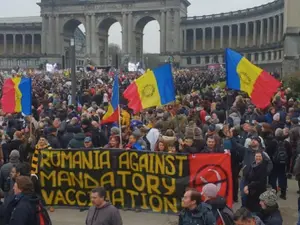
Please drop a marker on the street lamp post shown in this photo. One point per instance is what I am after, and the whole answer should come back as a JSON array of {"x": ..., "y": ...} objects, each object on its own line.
[{"x": 73, "y": 70}]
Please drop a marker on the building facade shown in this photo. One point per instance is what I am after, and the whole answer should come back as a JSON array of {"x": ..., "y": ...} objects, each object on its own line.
[{"x": 258, "y": 33}]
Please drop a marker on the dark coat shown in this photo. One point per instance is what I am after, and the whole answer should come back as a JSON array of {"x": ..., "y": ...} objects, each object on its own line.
[
  {"x": 21, "y": 210},
  {"x": 256, "y": 180},
  {"x": 66, "y": 138},
  {"x": 77, "y": 141},
  {"x": 202, "y": 215},
  {"x": 53, "y": 141},
  {"x": 271, "y": 216}
]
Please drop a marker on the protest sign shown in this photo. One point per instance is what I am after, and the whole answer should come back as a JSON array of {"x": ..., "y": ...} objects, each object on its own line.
[{"x": 149, "y": 181}]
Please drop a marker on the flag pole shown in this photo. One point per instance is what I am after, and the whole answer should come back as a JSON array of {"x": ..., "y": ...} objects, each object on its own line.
[{"x": 120, "y": 125}]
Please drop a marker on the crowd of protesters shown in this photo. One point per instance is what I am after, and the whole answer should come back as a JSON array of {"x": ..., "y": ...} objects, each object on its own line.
[{"x": 263, "y": 143}]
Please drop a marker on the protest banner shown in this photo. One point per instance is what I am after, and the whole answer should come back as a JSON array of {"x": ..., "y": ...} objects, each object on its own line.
[{"x": 148, "y": 181}]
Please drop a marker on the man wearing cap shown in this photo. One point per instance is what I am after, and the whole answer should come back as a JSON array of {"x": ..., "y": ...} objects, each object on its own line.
[
  {"x": 14, "y": 159},
  {"x": 88, "y": 142},
  {"x": 270, "y": 213}
]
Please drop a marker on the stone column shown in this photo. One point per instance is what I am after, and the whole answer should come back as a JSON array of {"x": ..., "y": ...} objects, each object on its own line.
[
  {"x": 254, "y": 32},
  {"x": 5, "y": 43},
  {"x": 272, "y": 56},
  {"x": 88, "y": 34},
  {"x": 212, "y": 37},
  {"x": 14, "y": 43},
  {"x": 50, "y": 35},
  {"x": 238, "y": 35},
  {"x": 247, "y": 34},
  {"x": 176, "y": 34},
  {"x": 194, "y": 39},
  {"x": 184, "y": 40},
  {"x": 261, "y": 39},
  {"x": 259, "y": 57},
  {"x": 268, "y": 30},
  {"x": 280, "y": 28},
  {"x": 230, "y": 36},
  {"x": 32, "y": 43},
  {"x": 44, "y": 34},
  {"x": 93, "y": 30},
  {"x": 57, "y": 36},
  {"x": 221, "y": 37},
  {"x": 203, "y": 38},
  {"x": 168, "y": 31},
  {"x": 252, "y": 57},
  {"x": 23, "y": 43},
  {"x": 130, "y": 31},
  {"x": 181, "y": 39},
  {"x": 274, "y": 29},
  {"x": 163, "y": 31}
]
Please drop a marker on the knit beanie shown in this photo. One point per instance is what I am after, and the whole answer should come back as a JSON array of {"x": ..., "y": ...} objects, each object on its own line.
[
  {"x": 269, "y": 197},
  {"x": 210, "y": 190}
]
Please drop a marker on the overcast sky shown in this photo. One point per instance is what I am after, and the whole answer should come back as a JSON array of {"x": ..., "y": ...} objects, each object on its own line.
[{"x": 11, "y": 8}]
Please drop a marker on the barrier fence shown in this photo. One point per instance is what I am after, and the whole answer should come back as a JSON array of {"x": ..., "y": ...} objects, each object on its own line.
[{"x": 149, "y": 181}]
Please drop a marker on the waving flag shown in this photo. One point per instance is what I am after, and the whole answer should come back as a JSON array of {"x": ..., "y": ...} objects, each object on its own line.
[
  {"x": 112, "y": 114},
  {"x": 244, "y": 76},
  {"x": 154, "y": 88},
  {"x": 17, "y": 96}
]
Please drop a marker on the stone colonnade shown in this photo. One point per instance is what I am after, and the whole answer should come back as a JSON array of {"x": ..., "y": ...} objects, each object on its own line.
[{"x": 237, "y": 35}]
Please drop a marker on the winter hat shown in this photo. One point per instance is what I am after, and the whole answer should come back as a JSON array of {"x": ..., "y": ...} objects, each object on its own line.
[
  {"x": 269, "y": 197},
  {"x": 115, "y": 131},
  {"x": 210, "y": 190},
  {"x": 14, "y": 155}
]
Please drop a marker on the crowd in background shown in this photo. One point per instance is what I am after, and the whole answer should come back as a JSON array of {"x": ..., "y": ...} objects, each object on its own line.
[{"x": 206, "y": 118}]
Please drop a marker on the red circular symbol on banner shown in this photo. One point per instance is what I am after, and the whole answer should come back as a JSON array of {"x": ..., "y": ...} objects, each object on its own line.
[{"x": 212, "y": 174}]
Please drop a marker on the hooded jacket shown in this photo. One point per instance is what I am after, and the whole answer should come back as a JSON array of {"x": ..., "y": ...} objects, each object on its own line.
[
  {"x": 202, "y": 215},
  {"x": 218, "y": 203},
  {"x": 106, "y": 215}
]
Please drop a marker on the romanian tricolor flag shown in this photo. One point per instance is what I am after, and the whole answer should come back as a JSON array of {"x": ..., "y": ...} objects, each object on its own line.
[
  {"x": 154, "y": 88},
  {"x": 112, "y": 114},
  {"x": 244, "y": 76},
  {"x": 16, "y": 95}
]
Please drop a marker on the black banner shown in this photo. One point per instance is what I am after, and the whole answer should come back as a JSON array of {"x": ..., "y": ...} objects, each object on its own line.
[{"x": 133, "y": 179}]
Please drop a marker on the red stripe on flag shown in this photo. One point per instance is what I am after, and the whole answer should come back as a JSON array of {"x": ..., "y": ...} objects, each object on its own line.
[
  {"x": 133, "y": 97},
  {"x": 112, "y": 118},
  {"x": 264, "y": 89},
  {"x": 8, "y": 100}
]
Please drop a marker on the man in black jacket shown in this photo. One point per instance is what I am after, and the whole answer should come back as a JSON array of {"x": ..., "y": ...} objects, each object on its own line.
[{"x": 22, "y": 209}]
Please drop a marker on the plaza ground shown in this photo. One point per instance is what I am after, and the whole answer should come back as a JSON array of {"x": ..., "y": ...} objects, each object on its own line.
[{"x": 75, "y": 217}]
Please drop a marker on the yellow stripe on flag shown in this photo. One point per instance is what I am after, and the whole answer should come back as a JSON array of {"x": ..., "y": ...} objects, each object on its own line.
[{"x": 148, "y": 90}]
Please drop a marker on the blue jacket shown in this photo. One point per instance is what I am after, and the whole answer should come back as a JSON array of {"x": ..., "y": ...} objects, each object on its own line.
[
  {"x": 202, "y": 215},
  {"x": 272, "y": 216}
]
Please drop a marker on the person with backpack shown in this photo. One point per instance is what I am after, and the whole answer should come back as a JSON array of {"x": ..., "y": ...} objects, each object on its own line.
[
  {"x": 195, "y": 212},
  {"x": 220, "y": 210},
  {"x": 280, "y": 156}
]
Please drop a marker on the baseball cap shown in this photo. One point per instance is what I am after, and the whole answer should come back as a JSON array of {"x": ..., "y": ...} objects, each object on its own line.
[{"x": 87, "y": 139}]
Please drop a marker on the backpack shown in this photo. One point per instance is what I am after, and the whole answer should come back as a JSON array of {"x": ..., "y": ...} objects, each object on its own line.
[
  {"x": 225, "y": 217},
  {"x": 42, "y": 215},
  {"x": 280, "y": 156}
]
